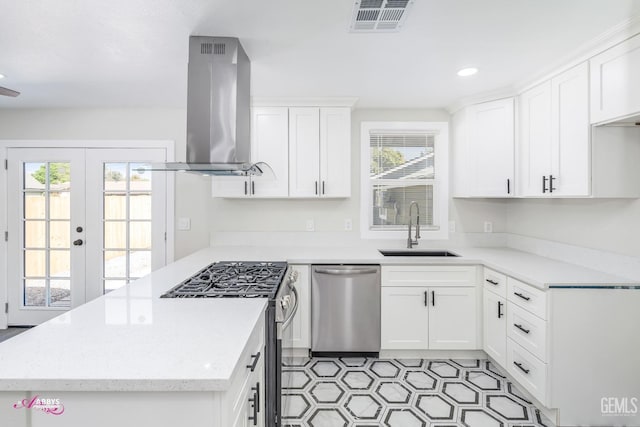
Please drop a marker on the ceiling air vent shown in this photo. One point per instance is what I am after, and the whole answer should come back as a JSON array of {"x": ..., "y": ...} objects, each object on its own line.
[
  {"x": 206, "y": 48},
  {"x": 379, "y": 16},
  {"x": 219, "y": 48}
]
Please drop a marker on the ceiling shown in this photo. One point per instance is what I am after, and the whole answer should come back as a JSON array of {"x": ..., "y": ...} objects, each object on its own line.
[{"x": 133, "y": 53}]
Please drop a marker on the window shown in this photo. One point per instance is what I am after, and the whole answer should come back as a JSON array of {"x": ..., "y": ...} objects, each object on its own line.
[{"x": 403, "y": 162}]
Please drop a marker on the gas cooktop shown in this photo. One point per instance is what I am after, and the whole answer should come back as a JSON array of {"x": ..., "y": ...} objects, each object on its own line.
[{"x": 232, "y": 279}]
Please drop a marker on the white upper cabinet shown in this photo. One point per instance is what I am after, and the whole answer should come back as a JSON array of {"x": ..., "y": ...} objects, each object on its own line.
[
  {"x": 570, "y": 137},
  {"x": 615, "y": 86},
  {"x": 484, "y": 150},
  {"x": 320, "y": 152},
  {"x": 554, "y": 147},
  {"x": 269, "y": 144},
  {"x": 335, "y": 152},
  {"x": 534, "y": 149}
]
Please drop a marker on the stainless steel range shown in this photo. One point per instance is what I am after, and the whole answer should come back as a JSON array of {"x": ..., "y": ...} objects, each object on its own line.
[{"x": 272, "y": 280}]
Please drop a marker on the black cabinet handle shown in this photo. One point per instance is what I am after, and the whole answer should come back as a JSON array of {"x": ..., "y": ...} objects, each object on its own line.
[
  {"x": 255, "y": 403},
  {"x": 78, "y": 242},
  {"x": 433, "y": 298},
  {"x": 544, "y": 184},
  {"x": 79, "y": 229},
  {"x": 245, "y": 188},
  {"x": 526, "y": 331},
  {"x": 519, "y": 366},
  {"x": 255, "y": 358},
  {"x": 522, "y": 296},
  {"x": 499, "y": 310},
  {"x": 551, "y": 187},
  {"x": 322, "y": 187},
  {"x": 508, "y": 186},
  {"x": 253, "y": 187},
  {"x": 316, "y": 187},
  {"x": 493, "y": 282},
  {"x": 426, "y": 298}
]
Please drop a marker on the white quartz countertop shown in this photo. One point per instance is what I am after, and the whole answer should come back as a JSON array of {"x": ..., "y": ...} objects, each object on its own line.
[
  {"x": 535, "y": 270},
  {"x": 132, "y": 340}
]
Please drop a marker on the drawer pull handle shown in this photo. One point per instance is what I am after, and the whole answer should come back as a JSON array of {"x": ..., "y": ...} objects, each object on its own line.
[
  {"x": 522, "y": 296},
  {"x": 426, "y": 298},
  {"x": 255, "y": 403},
  {"x": 493, "y": 282},
  {"x": 255, "y": 358},
  {"x": 499, "y": 309},
  {"x": 519, "y": 366},
  {"x": 526, "y": 331}
]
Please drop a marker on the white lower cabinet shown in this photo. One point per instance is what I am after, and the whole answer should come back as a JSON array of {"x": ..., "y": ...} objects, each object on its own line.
[
  {"x": 495, "y": 326},
  {"x": 418, "y": 317}
]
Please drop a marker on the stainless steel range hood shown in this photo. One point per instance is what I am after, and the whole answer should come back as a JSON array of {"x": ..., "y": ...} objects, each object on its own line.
[{"x": 218, "y": 110}]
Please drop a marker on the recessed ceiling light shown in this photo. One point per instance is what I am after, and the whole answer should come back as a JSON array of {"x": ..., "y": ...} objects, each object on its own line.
[
  {"x": 1, "y": 76},
  {"x": 466, "y": 72}
]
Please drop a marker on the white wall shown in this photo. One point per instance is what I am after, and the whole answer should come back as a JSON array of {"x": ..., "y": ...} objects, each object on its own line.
[
  {"x": 192, "y": 191},
  {"x": 329, "y": 215},
  {"x": 607, "y": 224}
]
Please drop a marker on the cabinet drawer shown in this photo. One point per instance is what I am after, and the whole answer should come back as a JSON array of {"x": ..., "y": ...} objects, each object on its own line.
[
  {"x": 422, "y": 275},
  {"x": 527, "y": 297},
  {"x": 528, "y": 370},
  {"x": 495, "y": 282},
  {"x": 527, "y": 330}
]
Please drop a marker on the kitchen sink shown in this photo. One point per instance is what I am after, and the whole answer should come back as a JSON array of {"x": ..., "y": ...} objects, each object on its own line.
[{"x": 400, "y": 252}]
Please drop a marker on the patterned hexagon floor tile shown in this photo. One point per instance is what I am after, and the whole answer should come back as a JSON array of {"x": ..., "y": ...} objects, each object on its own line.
[
  {"x": 420, "y": 380},
  {"x": 328, "y": 417},
  {"x": 357, "y": 380},
  {"x": 326, "y": 392},
  {"x": 385, "y": 369},
  {"x": 435, "y": 407},
  {"x": 444, "y": 369},
  {"x": 393, "y": 392},
  {"x": 369, "y": 392},
  {"x": 363, "y": 407},
  {"x": 325, "y": 368}
]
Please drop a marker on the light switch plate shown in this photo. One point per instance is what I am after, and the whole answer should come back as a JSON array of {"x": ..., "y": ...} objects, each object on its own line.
[
  {"x": 184, "y": 224},
  {"x": 348, "y": 224},
  {"x": 311, "y": 226}
]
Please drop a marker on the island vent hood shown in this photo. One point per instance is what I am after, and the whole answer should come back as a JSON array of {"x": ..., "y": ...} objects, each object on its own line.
[{"x": 218, "y": 110}]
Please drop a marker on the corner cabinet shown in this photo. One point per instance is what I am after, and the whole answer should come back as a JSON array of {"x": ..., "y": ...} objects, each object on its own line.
[
  {"x": 554, "y": 150},
  {"x": 483, "y": 141},
  {"x": 319, "y": 152},
  {"x": 270, "y": 144},
  {"x": 429, "y": 307}
]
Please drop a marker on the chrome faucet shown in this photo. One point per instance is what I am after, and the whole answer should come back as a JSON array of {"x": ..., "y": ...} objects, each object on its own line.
[{"x": 410, "y": 241}]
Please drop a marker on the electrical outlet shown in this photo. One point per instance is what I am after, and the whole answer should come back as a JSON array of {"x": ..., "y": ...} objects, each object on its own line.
[
  {"x": 348, "y": 224},
  {"x": 488, "y": 227},
  {"x": 311, "y": 226},
  {"x": 184, "y": 224},
  {"x": 452, "y": 226}
]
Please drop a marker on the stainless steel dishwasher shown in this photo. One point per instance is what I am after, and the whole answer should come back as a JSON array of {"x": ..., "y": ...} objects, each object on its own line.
[{"x": 345, "y": 309}]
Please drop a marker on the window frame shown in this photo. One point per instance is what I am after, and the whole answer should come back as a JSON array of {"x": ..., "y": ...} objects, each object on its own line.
[{"x": 440, "y": 184}]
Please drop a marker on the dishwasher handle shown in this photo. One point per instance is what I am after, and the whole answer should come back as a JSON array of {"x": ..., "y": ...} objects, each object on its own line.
[{"x": 345, "y": 271}]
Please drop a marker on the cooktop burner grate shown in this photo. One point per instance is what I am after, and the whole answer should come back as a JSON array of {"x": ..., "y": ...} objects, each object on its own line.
[{"x": 232, "y": 279}]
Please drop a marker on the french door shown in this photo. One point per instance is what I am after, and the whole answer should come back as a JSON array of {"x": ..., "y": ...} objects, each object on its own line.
[{"x": 82, "y": 222}]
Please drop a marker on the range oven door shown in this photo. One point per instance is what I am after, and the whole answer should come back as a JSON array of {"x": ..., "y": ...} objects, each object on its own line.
[{"x": 286, "y": 309}]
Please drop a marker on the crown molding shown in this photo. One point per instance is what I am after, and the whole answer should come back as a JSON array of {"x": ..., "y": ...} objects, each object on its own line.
[{"x": 349, "y": 102}]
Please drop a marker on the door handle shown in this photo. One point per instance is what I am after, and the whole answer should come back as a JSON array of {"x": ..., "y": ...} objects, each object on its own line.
[
  {"x": 322, "y": 187},
  {"x": 433, "y": 298},
  {"x": 253, "y": 187},
  {"x": 508, "y": 186},
  {"x": 551, "y": 188},
  {"x": 499, "y": 309},
  {"x": 544, "y": 184},
  {"x": 245, "y": 188},
  {"x": 78, "y": 242},
  {"x": 426, "y": 298}
]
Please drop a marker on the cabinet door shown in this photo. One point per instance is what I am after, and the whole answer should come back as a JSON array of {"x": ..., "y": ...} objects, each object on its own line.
[
  {"x": 335, "y": 152},
  {"x": 462, "y": 162},
  {"x": 452, "y": 318},
  {"x": 534, "y": 153},
  {"x": 405, "y": 318},
  {"x": 491, "y": 143},
  {"x": 615, "y": 87},
  {"x": 270, "y": 144},
  {"x": 570, "y": 138},
  {"x": 301, "y": 323},
  {"x": 304, "y": 152},
  {"x": 230, "y": 186},
  {"x": 495, "y": 327}
]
